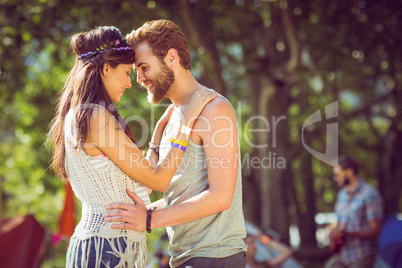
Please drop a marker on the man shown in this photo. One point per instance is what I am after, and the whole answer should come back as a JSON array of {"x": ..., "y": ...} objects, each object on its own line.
[
  {"x": 359, "y": 212},
  {"x": 202, "y": 206}
]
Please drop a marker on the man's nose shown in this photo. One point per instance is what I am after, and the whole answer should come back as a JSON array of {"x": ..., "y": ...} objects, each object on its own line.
[{"x": 140, "y": 77}]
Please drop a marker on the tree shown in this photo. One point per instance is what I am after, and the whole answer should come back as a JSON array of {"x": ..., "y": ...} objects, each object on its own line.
[{"x": 278, "y": 61}]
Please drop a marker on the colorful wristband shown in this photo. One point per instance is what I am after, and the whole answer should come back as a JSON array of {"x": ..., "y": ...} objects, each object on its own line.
[
  {"x": 178, "y": 146},
  {"x": 179, "y": 142}
]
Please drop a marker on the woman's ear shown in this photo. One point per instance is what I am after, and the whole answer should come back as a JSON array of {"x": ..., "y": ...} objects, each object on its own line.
[
  {"x": 105, "y": 69},
  {"x": 172, "y": 58}
]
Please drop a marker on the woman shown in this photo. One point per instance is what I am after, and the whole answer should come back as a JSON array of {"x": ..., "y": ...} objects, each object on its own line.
[{"x": 94, "y": 148}]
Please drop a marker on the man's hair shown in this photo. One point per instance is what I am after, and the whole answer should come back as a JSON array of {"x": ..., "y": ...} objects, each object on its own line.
[
  {"x": 161, "y": 36},
  {"x": 346, "y": 162}
]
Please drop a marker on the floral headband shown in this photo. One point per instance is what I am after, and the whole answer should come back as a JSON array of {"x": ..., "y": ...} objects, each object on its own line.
[{"x": 103, "y": 48}]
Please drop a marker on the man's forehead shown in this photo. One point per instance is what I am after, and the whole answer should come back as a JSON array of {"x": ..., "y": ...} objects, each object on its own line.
[
  {"x": 143, "y": 47},
  {"x": 143, "y": 52}
]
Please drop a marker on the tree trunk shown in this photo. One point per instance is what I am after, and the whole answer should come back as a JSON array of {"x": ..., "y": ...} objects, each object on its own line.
[
  {"x": 200, "y": 37},
  {"x": 390, "y": 169},
  {"x": 306, "y": 210}
]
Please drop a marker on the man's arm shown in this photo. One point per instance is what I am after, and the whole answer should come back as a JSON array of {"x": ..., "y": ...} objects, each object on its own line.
[
  {"x": 372, "y": 232},
  {"x": 160, "y": 126},
  {"x": 217, "y": 131},
  {"x": 157, "y": 204},
  {"x": 373, "y": 213}
]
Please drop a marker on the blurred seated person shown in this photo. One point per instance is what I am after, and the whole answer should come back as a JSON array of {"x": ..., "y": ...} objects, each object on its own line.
[
  {"x": 267, "y": 249},
  {"x": 283, "y": 251}
]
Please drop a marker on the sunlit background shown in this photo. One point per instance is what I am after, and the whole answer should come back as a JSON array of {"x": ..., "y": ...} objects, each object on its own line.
[{"x": 273, "y": 60}]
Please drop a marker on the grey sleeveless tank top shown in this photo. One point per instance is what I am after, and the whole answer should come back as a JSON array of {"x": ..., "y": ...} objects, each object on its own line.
[{"x": 216, "y": 236}]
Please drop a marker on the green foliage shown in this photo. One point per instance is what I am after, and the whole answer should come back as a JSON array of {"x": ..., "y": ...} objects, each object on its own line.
[{"x": 349, "y": 53}]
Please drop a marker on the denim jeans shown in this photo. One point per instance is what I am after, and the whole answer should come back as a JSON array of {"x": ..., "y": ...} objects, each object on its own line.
[
  {"x": 107, "y": 258},
  {"x": 235, "y": 261}
]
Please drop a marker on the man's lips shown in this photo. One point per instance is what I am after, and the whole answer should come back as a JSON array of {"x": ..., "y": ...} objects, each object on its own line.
[{"x": 149, "y": 87}]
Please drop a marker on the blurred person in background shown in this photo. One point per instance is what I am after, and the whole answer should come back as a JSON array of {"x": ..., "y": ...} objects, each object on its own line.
[
  {"x": 283, "y": 252},
  {"x": 358, "y": 207},
  {"x": 265, "y": 249}
]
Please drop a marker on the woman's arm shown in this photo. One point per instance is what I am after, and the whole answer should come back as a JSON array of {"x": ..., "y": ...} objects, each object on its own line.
[{"x": 106, "y": 134}]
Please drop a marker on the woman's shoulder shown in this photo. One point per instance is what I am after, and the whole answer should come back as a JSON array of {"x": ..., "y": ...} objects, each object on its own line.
[
  {"x": 98, "y": 111},
  {"x": 101, "y": 118}
]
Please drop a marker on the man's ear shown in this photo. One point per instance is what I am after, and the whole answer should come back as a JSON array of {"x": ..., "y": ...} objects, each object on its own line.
[
  {"x": 172, "y": 58},
  {"x": 105, "y": 69}
]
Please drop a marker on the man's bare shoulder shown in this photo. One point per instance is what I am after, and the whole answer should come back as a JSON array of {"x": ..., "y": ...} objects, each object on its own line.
[
  {"x": 218, "y": 107},
  {"x": 216, "y": 115}
]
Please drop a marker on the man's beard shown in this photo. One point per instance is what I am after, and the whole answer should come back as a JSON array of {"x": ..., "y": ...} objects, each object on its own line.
[
  {"x": 346, "y": 181},
  {"x": 162, "y": 83}
]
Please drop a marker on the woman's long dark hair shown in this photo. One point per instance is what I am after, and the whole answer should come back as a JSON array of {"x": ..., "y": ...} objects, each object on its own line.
[{"x": 84, "y": 87}]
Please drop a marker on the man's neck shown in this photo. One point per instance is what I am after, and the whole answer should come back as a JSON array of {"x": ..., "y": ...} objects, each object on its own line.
[{"x": 184, "y": 87}]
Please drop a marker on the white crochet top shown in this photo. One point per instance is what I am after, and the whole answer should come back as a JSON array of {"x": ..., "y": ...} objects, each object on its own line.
[{"x": 95, "y": 189}]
